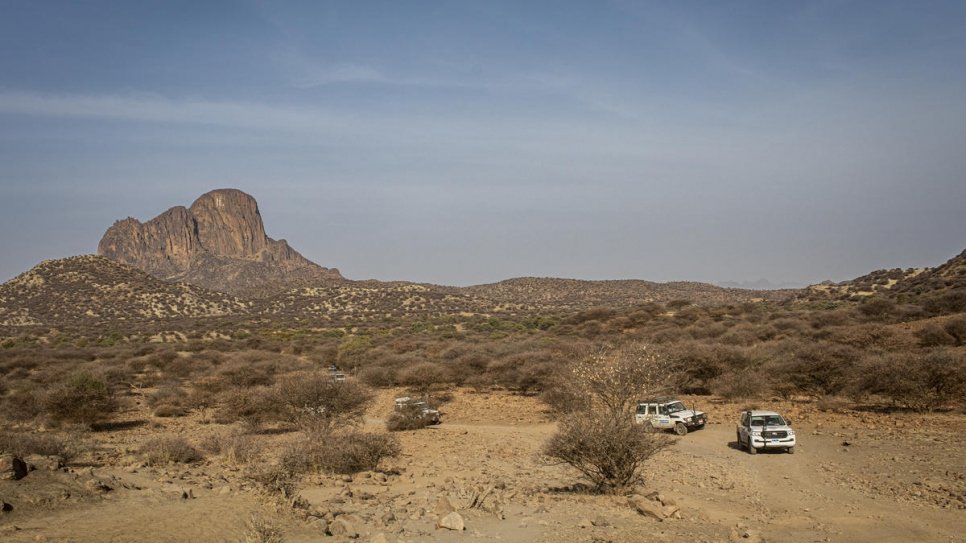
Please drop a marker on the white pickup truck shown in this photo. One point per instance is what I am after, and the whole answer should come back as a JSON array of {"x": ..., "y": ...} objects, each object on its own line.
[{"x": 669, "y": 414}]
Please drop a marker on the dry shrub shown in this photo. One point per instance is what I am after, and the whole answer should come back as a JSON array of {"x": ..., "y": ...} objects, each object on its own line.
[
  {"x": 236, "y": 449},
  {"x": 604, "y": 444},
  {"x": 316, "y": 402},
  {"x": 168, "y": 401},
  {"x": 253, "y": 406},
  {"x": 82, "y": 398},
  {"x": 609, "y": 452},
  {"x": 261, "y": 530},
  {"x": 22, "y": 405},
  {"x": 933, "y": 335},
  {"x": 921, "y": 382},
  {"x": 423, "y": 377},
  {"x": 564, "y": 400},
  {"x": 23, "y": 444},
  {"x": 161, "y": 451},
  {"x": 409, "y": 417},
  {"x": 343, "y": 453},
  {"x": 378, "y": 376},
  {"x": 957, "y": 329}
]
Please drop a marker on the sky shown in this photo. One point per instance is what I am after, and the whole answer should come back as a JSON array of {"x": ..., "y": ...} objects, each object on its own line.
[{"x": 468, "y": 142}]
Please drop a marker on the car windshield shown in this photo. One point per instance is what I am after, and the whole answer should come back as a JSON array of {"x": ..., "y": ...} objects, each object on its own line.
[
  {"x": 674, "y": 407},
  {"x": 768, "y": 420}
]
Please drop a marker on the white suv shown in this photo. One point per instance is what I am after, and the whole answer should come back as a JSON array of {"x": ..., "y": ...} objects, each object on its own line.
[
  {"x": 765, "y": 430},
  {"x": 667, "y": 414}
]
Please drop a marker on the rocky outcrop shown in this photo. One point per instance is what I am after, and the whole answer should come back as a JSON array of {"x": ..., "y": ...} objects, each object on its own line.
[{"x": 218, "y": 243}]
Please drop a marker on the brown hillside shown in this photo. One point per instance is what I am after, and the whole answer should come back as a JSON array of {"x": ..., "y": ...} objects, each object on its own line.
[
  {"x": 574, "y": 294},
  {"x": 90, "y": 290}
]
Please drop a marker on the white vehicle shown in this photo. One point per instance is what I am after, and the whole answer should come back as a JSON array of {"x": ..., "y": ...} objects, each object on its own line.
[
  {"x": 765, "y": 430},
  {"x": 668, "y": 414},
  {"x": 421, "y": 408}
]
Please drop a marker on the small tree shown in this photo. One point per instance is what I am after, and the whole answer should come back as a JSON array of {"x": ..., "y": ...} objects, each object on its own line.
[
  {"x": 602, "y": 442},
  {"x": 609, "y": 452}
]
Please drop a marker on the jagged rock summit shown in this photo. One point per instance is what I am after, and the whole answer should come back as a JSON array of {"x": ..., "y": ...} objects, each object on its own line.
[{"x": 218, "y": 243}]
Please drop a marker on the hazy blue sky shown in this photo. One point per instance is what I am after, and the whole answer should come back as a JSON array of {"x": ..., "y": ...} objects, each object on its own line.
[{"x": 468, "y": 142}]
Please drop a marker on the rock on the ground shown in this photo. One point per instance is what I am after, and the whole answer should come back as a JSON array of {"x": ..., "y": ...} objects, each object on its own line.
[
  {"x": 46, "y": 463},
  {"x": 452, "y": 521},
  {"x": 12, "y": 467},
  {"x": 342, "y": 527},
  {"x": 646, "y": 507},
  {"x": 5, "y": 507},
  {"x": 584, "y": 523}
]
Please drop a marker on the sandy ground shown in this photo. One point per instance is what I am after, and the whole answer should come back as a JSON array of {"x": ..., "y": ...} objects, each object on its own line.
[{"x": 855, "y": 476}]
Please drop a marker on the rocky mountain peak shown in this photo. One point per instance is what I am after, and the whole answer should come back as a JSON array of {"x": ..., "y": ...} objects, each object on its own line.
[{"x": 218, "y": 243}]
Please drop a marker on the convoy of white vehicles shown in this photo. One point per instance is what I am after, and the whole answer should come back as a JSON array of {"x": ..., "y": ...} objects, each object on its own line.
[{"x": 757, "y": 429}]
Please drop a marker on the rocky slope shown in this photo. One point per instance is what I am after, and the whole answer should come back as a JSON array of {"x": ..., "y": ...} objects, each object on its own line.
[
  {"x": 941, "y": 289},
  {"x": 90, "y": 290},
  {"x": 218, "y": 243}
]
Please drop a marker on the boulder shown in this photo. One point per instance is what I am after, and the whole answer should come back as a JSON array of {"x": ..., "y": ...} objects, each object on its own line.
[
  {"x": 452, "y": 521},
  {"x": 5, "y": 507},
  {"x": 12, "y": 467},
  {"x": 45, "y": 463}
]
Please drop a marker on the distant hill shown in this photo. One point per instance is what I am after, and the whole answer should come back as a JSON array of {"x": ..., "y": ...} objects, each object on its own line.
[
  {"x": 219, "y": 243},
  {"x": 575, "y": 294},
  {"x": 91, "y": 290},
  {"x": 941, "y": 289}
]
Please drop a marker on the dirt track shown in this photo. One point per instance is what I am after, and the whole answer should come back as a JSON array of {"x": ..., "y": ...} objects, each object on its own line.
[{"x": 899, "y": 478}]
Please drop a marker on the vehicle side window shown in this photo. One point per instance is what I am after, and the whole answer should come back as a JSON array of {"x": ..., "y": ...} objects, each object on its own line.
[
  {"x": 663, "y": 409},
  {"x": 651, "y": 409},
  {"x": 642, "y": 409}
]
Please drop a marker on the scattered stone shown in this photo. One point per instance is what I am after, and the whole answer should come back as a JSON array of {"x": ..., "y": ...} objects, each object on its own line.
[
  {"x": 5, "y": 507},
  {"x": 647, "y": 507},
  {"x": 342, "y": 527},
  {"x": 671, "y": 511},
  {"x": 12, "y": 468},
  {"x": 322, "y": 525},
  {"x": 97, "y": 485},
  {"x": 45, "y": 463},
  {"x": 600, "y": 522},
  {"x": 452, "y": 521}
]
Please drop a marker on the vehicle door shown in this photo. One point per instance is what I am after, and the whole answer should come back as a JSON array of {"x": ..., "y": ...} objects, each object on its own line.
[
  {"x": 743, "y": 426},
  {"x": 659, "y": 416}
]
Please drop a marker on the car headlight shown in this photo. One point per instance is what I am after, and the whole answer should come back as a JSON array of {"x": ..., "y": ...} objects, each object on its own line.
[
  {"x": 791, "y": 433},
  {"x": 756, "y": 434}
]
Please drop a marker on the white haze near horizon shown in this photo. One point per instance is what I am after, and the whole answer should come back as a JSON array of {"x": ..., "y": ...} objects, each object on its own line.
[{"x": 468, "y": 143}]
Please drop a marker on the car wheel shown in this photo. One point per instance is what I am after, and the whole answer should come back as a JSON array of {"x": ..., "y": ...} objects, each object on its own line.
[
  {"x": 680, "y": 429},
  {"x": 791, "y": 450},
  {"x": 751, "y": 447}
]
